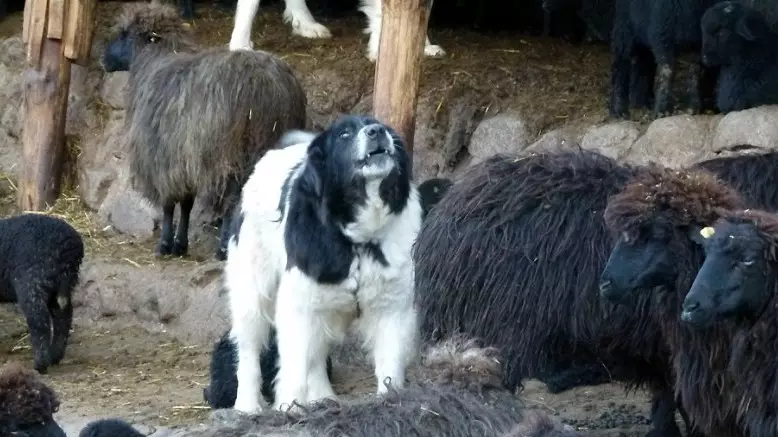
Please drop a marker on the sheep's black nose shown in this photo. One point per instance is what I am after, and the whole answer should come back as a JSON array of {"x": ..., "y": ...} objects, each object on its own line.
[{"x": 373, "y": 131}]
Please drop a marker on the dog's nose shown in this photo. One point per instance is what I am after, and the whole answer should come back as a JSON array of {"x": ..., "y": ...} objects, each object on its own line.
[{"x": 373, "y": 131}]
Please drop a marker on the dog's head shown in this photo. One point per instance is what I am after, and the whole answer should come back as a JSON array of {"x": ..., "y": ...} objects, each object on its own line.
[{"x": 355, "y": 150}]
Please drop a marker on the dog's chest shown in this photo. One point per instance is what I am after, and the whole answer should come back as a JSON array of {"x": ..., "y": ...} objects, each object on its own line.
[{"x": 371, "y": 217}]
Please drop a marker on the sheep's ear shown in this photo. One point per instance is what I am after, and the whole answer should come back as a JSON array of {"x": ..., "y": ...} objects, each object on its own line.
[
  {"x": 700, "y": 234},
  {"x": 748, "y": 27}
]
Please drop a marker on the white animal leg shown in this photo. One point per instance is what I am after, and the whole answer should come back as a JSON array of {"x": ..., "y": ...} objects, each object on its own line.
[
  {"x": 302, "y": 21},
  {"x": 245, "y": 12},
  {"x": 394, "y": 343},
  {"x": 372, "y": 9},
  {"x": 296, "y": 337},
  {"x": 319, "y": 386}
]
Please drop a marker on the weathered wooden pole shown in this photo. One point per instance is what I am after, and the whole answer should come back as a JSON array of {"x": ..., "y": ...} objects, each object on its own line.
[
  {"x": 55, "y": 32},
  {"x": 398, "y": 67}
]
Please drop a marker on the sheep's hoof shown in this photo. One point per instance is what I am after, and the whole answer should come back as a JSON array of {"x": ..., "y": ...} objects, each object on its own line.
[
  {"x": 41, "y": 368},
  {"x": 180, "y": 248},
  {"x": 221, "y": 254},
  {"x": 163, "y": 250}
]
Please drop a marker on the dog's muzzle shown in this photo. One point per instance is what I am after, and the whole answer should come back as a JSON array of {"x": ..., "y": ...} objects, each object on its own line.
[{"x": 378, "y": 142}]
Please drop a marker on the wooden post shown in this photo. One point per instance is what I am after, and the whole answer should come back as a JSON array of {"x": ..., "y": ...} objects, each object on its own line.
[
  {"x": 398, "y": 68},
  {"x": 55, "y": 32}
]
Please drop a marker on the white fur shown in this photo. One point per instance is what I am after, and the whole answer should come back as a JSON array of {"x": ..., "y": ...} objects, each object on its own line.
[
  {"x": 311, "y": 317},
  {"x": 303, "y": 24}
]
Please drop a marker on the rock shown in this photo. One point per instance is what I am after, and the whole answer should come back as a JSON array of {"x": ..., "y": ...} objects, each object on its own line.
[
  {"x": 756, "y": 127},
  {"x": 114, "y": 89},
  {"x": 101, "y": 157},
  {"x": 565, "y": 138},
  {"x": 127, "y": 210},
  {"x": 504, "y": 133},
  {"x": 611, "y": 139},
  {"x": 676, "y": 141},
  {"x": 165, "y": 297},
  {"x": 10, "y": 154}
]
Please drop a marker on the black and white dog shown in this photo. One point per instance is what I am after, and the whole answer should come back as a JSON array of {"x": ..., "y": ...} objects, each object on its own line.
[
  {"x": 327, "y": 222},
  {"x": 299, "y": 16}
]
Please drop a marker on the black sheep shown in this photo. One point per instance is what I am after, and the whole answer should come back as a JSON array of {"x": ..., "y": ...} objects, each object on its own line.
[
  {"x": 528, "y": 234},
  {"x": 27, "y": 404},
  {"x": 733, "y": 299},
  {"x": 658, "y": 220},
  {"x": 754, "y": 175},
  {"x": 666, "y": 28},
  {"x": 738, "y": 39},
  {"x": 223, "y": 388},
  {"x": 431, "y": 191},
  {"x": 39, "y": 267},
  {"x": 109, "y": 428}
]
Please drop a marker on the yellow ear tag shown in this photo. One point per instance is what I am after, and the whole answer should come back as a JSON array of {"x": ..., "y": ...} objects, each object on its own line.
[{"x": 707, "y": 232}]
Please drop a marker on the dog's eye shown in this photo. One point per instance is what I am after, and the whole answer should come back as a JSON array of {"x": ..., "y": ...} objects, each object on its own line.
[{"x": 345, "y": 134}]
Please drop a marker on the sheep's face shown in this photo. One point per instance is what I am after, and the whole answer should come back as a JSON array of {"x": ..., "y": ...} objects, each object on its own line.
[
  {"x": 121, "y": 50},
  {"x": 642, "y": 259},
  {"x": 729, "y": 30},
  {"x": 733, "y": 280}
]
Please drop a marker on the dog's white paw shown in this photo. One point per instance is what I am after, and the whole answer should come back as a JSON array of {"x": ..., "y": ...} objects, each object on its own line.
[
  {"x": 307, "y": 28},
  {"x": 241, "y": 45}
]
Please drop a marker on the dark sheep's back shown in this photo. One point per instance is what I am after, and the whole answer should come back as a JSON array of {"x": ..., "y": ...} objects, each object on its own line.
[{"x": 37, "y": 245}]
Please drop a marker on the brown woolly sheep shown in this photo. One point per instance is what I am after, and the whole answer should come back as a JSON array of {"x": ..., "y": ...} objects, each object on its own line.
[
  {"x": 27, "y": 404},
  {"x": 459, "y": 395},
  {"x": 733, "y": 301},
  {"x": 196, "y": 121},
  {"x": 658, "y": 219}
]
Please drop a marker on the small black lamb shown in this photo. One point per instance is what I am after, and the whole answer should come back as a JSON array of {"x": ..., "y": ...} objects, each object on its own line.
[
  {"x": 109, "y": 428},
  {"x": 738, "y": 39},
  {"x": 223, "y": 389},
  {"x": 666, "y": 28},
  {"x": 27, "y": 404},
  {"x": 39, "y": 267},
  {"x": 431, "y": 191}
]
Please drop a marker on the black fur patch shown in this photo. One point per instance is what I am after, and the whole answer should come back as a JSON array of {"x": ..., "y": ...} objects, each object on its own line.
[
  {"x": 285, "y": 190},
  {"x": 326, "y": 197},
  {"x": 237, "y": 222},
  {"x": 374, "y": 250}
]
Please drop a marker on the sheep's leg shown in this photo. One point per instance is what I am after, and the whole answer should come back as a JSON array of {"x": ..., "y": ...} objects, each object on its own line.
[
  {"x": 695, "y": 76},
  {"x": 299, "y": 16},
  {"x": 620, "y": 78},
  {"x": 187, "y": 9},
  {"x": 546, "y": 23},
  {"x": 245, "y": 11},
  {"x": 708, "y": 79},
  {"x": 165, "y": 245},
  {"x": 296, "y": 330},
  {"x": 663, "y": 415},
  {"x": 641, "y": 91},
  {"x": 394, "y": 341},
  {"x": 373, "y": 12},
  {"x": 30, "y": 292},
  {"x": 181, "y": 241},
  {"x": 61, "y": 309},
  {"x": 232, "y": 197}
]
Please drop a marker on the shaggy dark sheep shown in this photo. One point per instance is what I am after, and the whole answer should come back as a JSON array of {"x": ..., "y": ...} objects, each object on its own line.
[
  {"x": 27, "y": 404},
  {"x": 665, "y": 28},
  {"x": 223, "y": 388},
  {"x": 738, "y": 39},
  {"x": 431, "y": 191},
  {"x": 39, "y": 268},
  {"x": 754, "y": 175},
  {"x": 109, "y": 428},
  {"x": 196, "y": 121},
  {"x": 658, "y": 219},
  {"x": 458, "y": 395},
  {"x": 733, "y": 300},
  {"x": 528, "y": 234}
]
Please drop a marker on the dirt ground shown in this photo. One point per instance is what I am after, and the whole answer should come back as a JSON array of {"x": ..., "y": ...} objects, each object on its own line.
[{"x": 115, "y": 370}]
